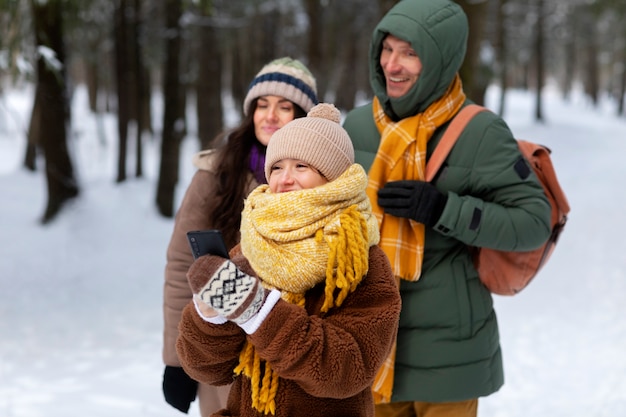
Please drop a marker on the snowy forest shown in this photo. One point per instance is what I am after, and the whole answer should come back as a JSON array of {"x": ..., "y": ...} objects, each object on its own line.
[{"x": 199, "y": 56}]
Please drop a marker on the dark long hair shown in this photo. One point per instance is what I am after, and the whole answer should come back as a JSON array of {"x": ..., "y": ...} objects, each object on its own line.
[{"x": 232, "y": 173}]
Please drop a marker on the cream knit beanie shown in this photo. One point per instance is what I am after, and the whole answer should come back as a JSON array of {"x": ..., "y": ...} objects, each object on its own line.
[
  {"x": 285, "y": 77},
  {"x": 317, "y": 139}
]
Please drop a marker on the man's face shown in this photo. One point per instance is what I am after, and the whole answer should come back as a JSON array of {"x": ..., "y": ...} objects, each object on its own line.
[{"x": 400, "y": 64}]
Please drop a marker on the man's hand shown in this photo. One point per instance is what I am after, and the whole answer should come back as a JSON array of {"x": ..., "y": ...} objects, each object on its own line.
[{"x": 417, "y": 200}]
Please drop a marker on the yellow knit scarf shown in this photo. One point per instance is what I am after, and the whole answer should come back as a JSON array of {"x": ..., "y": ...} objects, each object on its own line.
[
  {"x": 298, "y": 239},
  {"x": 402, "y": 156}
]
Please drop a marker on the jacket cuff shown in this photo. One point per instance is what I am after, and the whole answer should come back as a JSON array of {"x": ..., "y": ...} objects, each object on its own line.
[{"x": 255, "y": 321}]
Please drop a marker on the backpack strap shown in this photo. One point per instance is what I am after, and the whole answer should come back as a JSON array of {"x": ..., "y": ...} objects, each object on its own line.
[{"x": 452, "y": 133}]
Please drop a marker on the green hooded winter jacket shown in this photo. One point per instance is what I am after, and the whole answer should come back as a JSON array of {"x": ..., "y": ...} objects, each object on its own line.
[{"x": 448, "y": 341}]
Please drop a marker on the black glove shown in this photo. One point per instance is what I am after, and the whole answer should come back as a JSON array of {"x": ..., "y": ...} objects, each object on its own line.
[
  {"x": 179, "y": 389},
  {"x": 417, "y": 200}
]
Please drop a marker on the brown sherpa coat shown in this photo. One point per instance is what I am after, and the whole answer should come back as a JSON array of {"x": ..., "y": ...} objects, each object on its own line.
[
  {"x": 326, "y": 363},
  {"x": 192, "y": 215}
]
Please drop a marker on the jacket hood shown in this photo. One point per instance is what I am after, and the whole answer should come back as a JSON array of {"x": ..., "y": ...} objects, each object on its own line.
[{"x": 437, "y": 30}]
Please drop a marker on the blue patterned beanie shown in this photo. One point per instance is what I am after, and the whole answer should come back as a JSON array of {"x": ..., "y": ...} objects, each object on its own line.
[{"x": 285, "y": 77}]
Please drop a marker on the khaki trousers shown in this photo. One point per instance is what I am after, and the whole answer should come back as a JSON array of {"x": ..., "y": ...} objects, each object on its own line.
[
  {"x": 212, "y": 399},
  {"x": 467, "y": 408}
]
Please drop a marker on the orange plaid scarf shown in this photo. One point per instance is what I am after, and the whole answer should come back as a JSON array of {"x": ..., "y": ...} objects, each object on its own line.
[{"x": 402, "y": 156}]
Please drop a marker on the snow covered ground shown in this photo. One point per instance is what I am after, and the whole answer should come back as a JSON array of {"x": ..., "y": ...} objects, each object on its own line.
[{"x": 80, "y": 299}]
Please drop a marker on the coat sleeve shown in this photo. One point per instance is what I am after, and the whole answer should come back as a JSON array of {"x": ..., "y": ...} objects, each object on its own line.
[
  {"x": 192, "y": 215},
  {"x": 208, "y": 352},
  {"x": 494, "y": 198},
  {"x": 338, "y": 354}
]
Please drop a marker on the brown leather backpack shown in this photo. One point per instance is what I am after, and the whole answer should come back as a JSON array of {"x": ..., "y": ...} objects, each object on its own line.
[{"x": 502, "y": 272}]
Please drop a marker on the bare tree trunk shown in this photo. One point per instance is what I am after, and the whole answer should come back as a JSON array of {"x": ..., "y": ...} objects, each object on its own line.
[
  {"x": 539, "y": 59},
  {"x": 622, "y": 92},
  {"x": 474, "y": 83},
  {"x": 346, "y": 91},
  {"x": 270, "y": 29},
  {"x": 622, "y": 84},
  {"x": 139, "y": 84},
  {"x": 122, "y": 71},
  {"x": 145, "y": 99},
  {"x": 209, "y": 87},
  {"x": 54, "y": 110},
  {"x": 570, "y": 57},
  {"x": 314, "y": 46},
  {"x": 591, "y": 80},
  {"x": 30, "y": 156},
  {"x": 240, "y": 68},
  {"x": 501, "y": 48},
  {"x": 385, "y": 5},
  {"x": 173, "y": 117},
  {"x": 621, "y": 58},
  {"x": 247, "y": 61},
  {"x": 92, "y": 81}
]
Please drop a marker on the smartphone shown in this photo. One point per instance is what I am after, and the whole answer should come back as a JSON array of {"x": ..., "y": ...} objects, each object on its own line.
[{"x": 205, "y": 242}]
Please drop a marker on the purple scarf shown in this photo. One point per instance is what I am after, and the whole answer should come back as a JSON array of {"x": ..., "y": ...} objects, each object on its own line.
[{"x": 257, "y": 164}]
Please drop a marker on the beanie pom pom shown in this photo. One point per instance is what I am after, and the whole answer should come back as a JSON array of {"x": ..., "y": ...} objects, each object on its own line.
[{"x": 326, "y": 111}]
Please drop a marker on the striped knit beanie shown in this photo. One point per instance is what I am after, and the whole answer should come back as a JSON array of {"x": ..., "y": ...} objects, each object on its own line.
[
  {"x": 285, "y": 77},
  {"x": 317, "y": 139}
]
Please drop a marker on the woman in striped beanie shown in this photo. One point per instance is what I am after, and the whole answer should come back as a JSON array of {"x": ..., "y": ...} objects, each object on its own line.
[
  {"x": 282, "y": 91},
  {"x": 305, "y": 311}
]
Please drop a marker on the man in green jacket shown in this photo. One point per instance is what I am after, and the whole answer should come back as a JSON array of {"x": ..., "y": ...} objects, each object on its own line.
[{"x": 485, "y": 195}]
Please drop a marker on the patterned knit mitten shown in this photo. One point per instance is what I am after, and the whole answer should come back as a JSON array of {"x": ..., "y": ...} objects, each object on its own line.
[{"x": 231, "y": 292}]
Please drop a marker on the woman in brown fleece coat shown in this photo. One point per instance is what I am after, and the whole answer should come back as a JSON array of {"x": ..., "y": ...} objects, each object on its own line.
[
  {"x": 304, "y": 313},
  {"x": 283, "y": 90}
]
